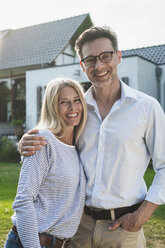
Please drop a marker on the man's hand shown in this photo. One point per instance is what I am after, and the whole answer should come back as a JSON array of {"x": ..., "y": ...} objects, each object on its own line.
[
  {"x": 133, "y": 222},
  {"x": 30, "y": 143},
  {"x": 128, "y": 222}
]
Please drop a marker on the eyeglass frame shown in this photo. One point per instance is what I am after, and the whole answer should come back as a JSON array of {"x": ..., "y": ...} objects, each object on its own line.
[{"x": 98, "y": 56}]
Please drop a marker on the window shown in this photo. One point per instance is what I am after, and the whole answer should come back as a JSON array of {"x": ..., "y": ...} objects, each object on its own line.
[
  {"x": 39, "y": 101},
  {"x": 86, "y": 85},
  {"x": 125, "y": 80},
  {"x": 5, "y": 102},
  {"x": 18, "y": 99}
]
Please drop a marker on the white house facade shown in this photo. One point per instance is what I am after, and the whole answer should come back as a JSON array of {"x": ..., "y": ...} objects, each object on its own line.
[
  {"x": 36, "y": 81},
  {"x": 29, "y": 58},
  {"x": 141, "y": 74},
  {"x": 33, "y": 56}
]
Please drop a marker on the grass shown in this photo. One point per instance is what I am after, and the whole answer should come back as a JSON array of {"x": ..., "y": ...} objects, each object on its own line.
[
  {"x": 154, "y": 229},
  {"x": 9, "y": 172}
]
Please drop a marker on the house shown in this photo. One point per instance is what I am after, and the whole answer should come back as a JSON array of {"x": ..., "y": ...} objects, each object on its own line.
[
  {"x": 144, "y": 70},
  {"x": 30, "y": 57}
]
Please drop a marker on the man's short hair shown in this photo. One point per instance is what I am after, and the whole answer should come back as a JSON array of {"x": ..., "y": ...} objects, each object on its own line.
[{"x": 94, "y": 33}]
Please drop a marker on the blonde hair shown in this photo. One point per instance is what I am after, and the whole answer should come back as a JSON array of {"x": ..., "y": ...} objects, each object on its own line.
[{"x": 50, "y": 117}]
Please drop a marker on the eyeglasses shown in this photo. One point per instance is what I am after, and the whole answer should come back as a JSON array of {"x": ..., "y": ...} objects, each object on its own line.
[{"x": 104, "y": 57}]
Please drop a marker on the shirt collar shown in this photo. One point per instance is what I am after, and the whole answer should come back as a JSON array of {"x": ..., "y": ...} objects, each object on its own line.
[
  {"x": 89, "y": 96},
  {"x": 126, "y": 93}
]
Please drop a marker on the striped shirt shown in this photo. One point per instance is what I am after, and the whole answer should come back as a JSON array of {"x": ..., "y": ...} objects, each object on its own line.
[{"x": 51, "y": 192}]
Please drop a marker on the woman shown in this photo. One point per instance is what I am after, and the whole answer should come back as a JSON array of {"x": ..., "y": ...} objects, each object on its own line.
[{"x": 51, "y": 189}]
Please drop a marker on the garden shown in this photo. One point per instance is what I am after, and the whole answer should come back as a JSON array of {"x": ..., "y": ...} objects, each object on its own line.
[{"x": 9, "y": 173}]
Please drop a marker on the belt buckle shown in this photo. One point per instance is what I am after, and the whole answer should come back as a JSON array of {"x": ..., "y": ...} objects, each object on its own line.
[{"x": 112, "y": 214}]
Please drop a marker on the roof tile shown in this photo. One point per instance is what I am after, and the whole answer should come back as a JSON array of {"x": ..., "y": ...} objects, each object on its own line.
[
  {"x": 155, "y": 54},
  {"x": 37, "y": 44}
]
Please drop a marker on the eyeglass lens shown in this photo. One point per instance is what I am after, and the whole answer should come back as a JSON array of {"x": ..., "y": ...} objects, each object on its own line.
[{"x": 103, "y": 57}]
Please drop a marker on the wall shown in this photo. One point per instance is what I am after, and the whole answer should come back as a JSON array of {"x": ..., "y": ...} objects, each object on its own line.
[
  {"x": 65, "y": 59},
  {"x": 162, "y": 87},
  {"x": 141, "y": 74},
  {"x": 128, "y": 68},
  {"x": 147, "y": 81}
]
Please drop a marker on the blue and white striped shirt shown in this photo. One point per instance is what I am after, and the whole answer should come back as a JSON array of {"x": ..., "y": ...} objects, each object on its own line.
[{"x": 51, "y": 192}]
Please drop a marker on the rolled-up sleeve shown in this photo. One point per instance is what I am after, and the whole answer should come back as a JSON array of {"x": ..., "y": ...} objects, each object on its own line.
[{"x": 155, "y": 140}]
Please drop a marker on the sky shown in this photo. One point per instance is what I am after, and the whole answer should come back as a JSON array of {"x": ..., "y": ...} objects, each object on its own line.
[{"x": 138, "y": 23}]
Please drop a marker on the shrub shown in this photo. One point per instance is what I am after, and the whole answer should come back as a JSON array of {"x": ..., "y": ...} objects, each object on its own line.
[
  {"x": 8, "y": 151},
  {"x": 17, "y": 122}
]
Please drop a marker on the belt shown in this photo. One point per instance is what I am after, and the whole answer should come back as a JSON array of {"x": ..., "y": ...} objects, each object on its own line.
[
  {"x": 47, "y": 240},
  {"x": 110, "y": 214}
]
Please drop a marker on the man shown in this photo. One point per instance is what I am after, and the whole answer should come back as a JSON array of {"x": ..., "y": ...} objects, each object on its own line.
[{"x": 125, "y": 128}]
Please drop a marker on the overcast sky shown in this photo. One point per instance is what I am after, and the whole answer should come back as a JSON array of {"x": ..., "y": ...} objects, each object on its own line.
[{"x": 138, "y": 23}]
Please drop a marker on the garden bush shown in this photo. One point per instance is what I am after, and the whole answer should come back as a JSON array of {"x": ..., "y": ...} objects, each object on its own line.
[{"x": 8, "y": 151}]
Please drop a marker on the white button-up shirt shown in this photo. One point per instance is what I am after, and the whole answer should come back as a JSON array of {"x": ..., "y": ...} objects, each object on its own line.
[{"x": 115, "y": 152}]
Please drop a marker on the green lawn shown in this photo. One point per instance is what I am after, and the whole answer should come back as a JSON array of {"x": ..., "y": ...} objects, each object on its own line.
[
  {"x": 9, "y": 172},
  {"x": 154, "y": 229}
]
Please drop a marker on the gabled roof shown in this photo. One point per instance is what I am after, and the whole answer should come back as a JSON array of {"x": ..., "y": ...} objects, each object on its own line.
[
  {"x": 39, "y": 44},
  {"x": 155, "y": 54}
]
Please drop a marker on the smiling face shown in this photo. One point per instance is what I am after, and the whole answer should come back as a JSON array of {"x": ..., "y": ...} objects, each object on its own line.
[
  {"x": 101, "y": 74},
  {"x": 69, "y": 106}
]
